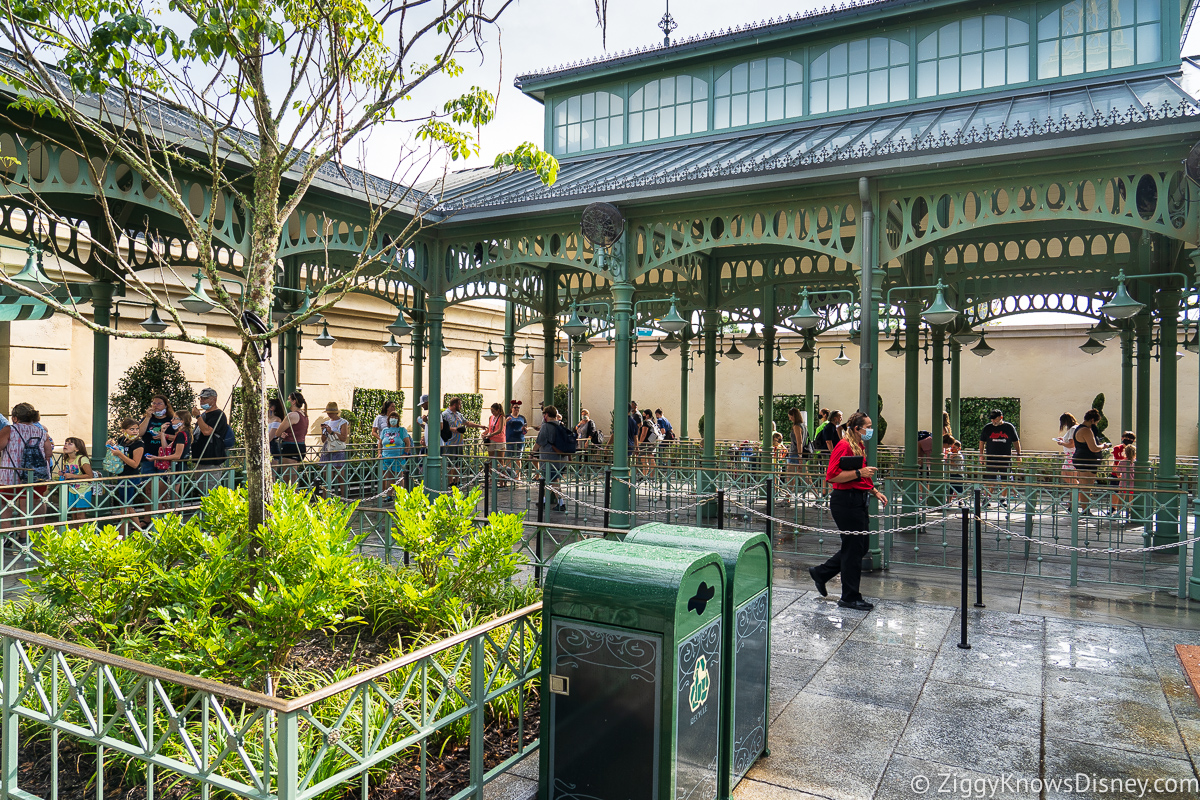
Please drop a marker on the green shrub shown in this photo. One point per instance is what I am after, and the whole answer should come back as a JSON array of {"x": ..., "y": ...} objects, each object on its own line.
[
  {"x": 472, "y": 409},
  {"x": 1102, "y": 425},
  {"x": 973, "y": 415},
  {"x": 157, "y": 372},
  {"x": 236, "y": 405},
  {"x": 780, "y": 404},
  {"x": 562, "y": 400},
  {"x": 366, "y": 405},
  {"x": 187, "y": 596},
  {"x": 458, "y": 561}
]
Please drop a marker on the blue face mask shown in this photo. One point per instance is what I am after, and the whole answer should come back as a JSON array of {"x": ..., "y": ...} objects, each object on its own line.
[{"x": 868, "y": 434}]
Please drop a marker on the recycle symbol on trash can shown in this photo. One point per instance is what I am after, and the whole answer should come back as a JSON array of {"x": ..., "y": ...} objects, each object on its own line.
[{"x": 700, "y": 681}]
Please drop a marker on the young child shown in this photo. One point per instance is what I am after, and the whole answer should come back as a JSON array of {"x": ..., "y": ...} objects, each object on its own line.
[
  {"x": 952, "y": 455},
  {"x": 1124, "y": 456},
  {"x": 394, "y": 444},
  {"x": 75, "y": 466}
]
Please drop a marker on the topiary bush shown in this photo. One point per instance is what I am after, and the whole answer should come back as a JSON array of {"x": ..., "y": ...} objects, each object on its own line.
[
  {"x": 780, "y": 405},
  {"x": 472, "y": 409},
  {"x": 562, "y": 399},
  {"x": 1102, "y": 425},
  {"x": 157, "y": 372},
  {"x": 235, "y": 411},
  {"x": 973, "y": 415},
  {"x": 365, "y": 406}
]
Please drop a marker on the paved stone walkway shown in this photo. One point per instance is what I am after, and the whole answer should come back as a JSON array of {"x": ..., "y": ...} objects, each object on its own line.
[{"x": 871, "y": 705}]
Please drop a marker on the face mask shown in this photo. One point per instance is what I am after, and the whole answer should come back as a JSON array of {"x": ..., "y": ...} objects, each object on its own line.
[
  {"x": 205, "y": 406},
  {"x": 1127, "y": 441},
  {"x": 868, "y": 434},
  {"x": 162, "y": 413},
  {"x": 176, "y": 426},
  {"x": 393, "y": 422}
]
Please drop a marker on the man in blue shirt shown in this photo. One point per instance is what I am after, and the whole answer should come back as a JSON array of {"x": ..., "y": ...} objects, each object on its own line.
[{"x": 664, "y": 425}]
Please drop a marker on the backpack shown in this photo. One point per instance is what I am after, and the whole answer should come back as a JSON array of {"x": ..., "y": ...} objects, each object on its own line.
[
  {"x": 112, "y": 463},
  {"x": 597, "y": 436},
  {"x": 564, "y": 440},
  {"x": 34, "y": 468},
  {"x": 656, "y": 434}
]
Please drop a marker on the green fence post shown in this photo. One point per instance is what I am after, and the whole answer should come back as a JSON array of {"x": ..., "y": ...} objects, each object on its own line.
[
  {"x": 478, "y": 707},
  {"x": 287, "y": 756},
  {"x": 1075, "y": 536},
  {"x": 9, "y": 723},
  {"x": 1183, "y": 577}
]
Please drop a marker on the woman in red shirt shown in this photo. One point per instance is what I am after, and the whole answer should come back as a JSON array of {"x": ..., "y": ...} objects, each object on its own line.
[{"x": 848, "y": 501}]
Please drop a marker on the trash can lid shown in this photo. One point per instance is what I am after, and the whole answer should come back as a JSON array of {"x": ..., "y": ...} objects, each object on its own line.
[
  {"x": 672, "y": 591},
  {"x": 747, "y": 555}
]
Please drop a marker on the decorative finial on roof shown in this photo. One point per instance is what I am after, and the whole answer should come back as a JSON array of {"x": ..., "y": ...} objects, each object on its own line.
[{"x": 667, "y": 24}]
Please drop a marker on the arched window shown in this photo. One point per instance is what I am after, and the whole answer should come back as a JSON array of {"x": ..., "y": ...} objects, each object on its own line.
[
  {"x": 763, "y": 90},
  {"x": 588, "y": 122},
  {"x": 674, "y": 106},
  {"x": 1093, "y": 35},
  {"x": 864, "y": 72},
  {"x": 973, "y": 53}
]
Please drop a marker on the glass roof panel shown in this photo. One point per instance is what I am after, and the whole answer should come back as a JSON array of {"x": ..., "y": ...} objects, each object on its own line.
[
  {"x": 1157, "y": 90},
  {"x": 1027, "y": 109},
  {"x": 1106, "y": 99},
  {"x": 914, "y": 127},
  {"x": 1069, "y": 105},
  {"x": 950, "y": 122},
  {"x": 988, "y": 115}
]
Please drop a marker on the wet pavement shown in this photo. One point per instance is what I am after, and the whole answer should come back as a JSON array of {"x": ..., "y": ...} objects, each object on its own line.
[{"x": 1062, "y": 692}]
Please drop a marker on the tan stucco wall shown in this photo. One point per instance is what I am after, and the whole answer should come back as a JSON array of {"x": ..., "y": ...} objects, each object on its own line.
[{"x": 1043, "y": 366}]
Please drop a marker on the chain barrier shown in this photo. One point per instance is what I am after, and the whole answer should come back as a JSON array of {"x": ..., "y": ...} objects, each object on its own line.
[
  {"x": 798, "y": 526},
  {"x": 1078, "y": 549}
]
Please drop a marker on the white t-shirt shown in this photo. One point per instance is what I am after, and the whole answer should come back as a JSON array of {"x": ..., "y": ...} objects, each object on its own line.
[
  {"x": 336, "y": 425},
  {"x": 380, "y": 423}
]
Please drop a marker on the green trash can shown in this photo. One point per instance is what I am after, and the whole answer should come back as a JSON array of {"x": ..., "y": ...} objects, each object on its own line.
[
  {"x": 632, "y": 650},
  {"x": 746, "y": 679}
]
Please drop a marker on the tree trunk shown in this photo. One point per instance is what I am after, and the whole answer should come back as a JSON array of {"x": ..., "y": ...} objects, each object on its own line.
[{"x": 259, "y": 477}]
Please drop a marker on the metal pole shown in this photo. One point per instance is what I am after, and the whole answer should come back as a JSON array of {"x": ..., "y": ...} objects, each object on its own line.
[
  {"x": 937, "y": 398},
  {"x": 681, "y": 422},
  {"x": 510, "y": 344},
  {"x": 1167, "y": 529},
  {"x": 978, "y": 565},
  {"x": 622, "y": 292},
  {"x": 487, "y": 485},
  {"x": 434, "y": 476},
  {"x": 770, "y": 506},
  {"x": 768, "y": 376},
  {"x": 1141, "y": 415},
  {"x": 720, "y": 509},
  {"x": 965, "y": 592},
  {"x": 607, "y": 494},
  {"x": 549, "y": 339},
  {"x": 541, "y": 517},
  {"x": 1126, "y": 380},
  {"x": 955, "y": 389},
  {"x": 101, "y": 306},
  {"x": 868, "y": 350}
]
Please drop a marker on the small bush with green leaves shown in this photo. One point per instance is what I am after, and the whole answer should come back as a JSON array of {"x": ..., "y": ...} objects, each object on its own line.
[
  {"x": 460, "y": 562},
  {"x": 157, "y": 372}
]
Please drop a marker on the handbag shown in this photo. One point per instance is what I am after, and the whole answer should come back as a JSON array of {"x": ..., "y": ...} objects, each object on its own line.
[
  {"x": 113, "y": 465},
  {"x": 164, "y": 450}
]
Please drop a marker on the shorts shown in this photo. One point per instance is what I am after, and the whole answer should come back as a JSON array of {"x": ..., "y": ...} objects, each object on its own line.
[
  {"x": 496, "y": 449},
  {"x": 80, "y": 501},
  {"x": 148, "y": 467},
  {"x": 514, "y": 448},
  {"x": 1087, "y": 466},
  {"x": 996, "y": 470},
  {"x": 392, "y": 464},
  {"x": 129, "y": 491},
  {"x": 553, "y": 470},
  {"x": 291, "y": 450},
  {"x": 793, "y": 458}
]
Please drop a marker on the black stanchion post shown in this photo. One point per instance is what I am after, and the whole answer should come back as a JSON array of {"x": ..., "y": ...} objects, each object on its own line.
[
  {"x": 770, "y": 506},
  {"x": 407, "y": 480},
  {"x": 607, "y": 494},
  {"x": 979, "y": 549},
  {"x": 966, "y": 554},
  {"x": 720, "y": 509},
  {"x": 487, "y": 487},
  {"x": 541, "y": 517}
]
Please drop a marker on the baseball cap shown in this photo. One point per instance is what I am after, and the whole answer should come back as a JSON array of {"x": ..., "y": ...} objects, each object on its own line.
[
  {"x": 424, "y": 400},
  {"x": 995, "y": 413}
]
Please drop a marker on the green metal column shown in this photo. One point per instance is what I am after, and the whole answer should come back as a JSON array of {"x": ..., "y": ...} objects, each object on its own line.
[
  {"x": 809, "y": 410},
  {"x": 912, "y": 366},
  {"x": 622, "y": 292},
  {"x": 549, "y": 340},
  {"x": 681, "y": 423},
  {"x": 768, "y": 377},
  {"x": 291, "y": 361},
  {"x": 435, "y": 312},
  {"x": 510, "y": 351},
  {"x": 955, "y": 389},
  {"x": 418, "y": 361},
  {"x": 1126, "y": 379},
  {"x": 937, "y": 396},
  {"x": 1167, "y": 528},
  {"x": 1141, "y": 412},
  {"x": 577, "y": 389},
  {"x": 870, "y": 295},
  {"x": 101, "y": 307},
  {"x": 712, "y": 322}
]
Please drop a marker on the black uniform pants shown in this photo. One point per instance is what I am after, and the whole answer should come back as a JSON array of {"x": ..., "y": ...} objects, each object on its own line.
[{"x": 850, "y": 513}]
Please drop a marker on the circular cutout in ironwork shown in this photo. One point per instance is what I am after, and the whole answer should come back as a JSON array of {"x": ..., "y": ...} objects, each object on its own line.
[{"x": 602, "y": 224}]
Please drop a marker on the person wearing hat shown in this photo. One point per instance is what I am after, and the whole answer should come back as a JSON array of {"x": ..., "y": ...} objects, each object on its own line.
[
  {"x": 209, "y": 438},
  {"x": 998, "y": 444},
  {"x": 335, "y": 433}
]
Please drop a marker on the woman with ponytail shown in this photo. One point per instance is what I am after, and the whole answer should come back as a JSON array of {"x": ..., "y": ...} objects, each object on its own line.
[{"x": 848, "y": 503}]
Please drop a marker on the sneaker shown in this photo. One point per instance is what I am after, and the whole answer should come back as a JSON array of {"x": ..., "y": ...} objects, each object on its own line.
[{"x": 561, "y": 507}]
